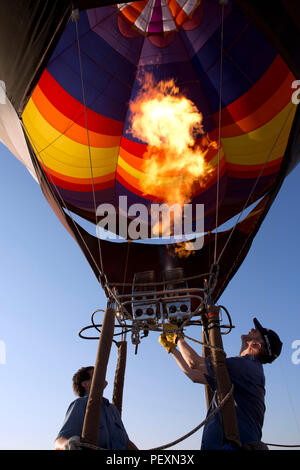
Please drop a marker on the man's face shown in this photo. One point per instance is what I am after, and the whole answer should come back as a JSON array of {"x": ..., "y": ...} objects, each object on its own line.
[
  {"x": 87, "y": 383},
  {"x": 253, "y": 338},
  {"x": 253, "y": 335}
]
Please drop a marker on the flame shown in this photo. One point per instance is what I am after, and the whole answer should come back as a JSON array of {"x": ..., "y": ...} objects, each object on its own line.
[
  {"x": 174, "y": 163},
  {"x": 181, "y": 251}
]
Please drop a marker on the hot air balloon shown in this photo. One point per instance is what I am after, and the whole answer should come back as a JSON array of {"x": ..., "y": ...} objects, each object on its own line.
[{"x": 75, "y": 77}]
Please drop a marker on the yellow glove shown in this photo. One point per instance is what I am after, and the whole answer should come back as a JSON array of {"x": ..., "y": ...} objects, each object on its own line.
[
  {"x": 165, "y": 343},
  {"x": 171, "y": 337}
]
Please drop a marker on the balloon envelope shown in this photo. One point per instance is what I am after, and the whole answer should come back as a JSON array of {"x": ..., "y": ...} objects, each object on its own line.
[{"x": 74, "y": 99}]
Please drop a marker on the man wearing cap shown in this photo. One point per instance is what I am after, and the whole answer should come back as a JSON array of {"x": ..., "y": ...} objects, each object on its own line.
[{"x": 259, "y": 346}]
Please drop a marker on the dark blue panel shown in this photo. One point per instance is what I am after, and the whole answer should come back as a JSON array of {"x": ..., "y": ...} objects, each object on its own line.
[
  {"x": 107, "y": 74},
  {"x": 252, "y": 54},
  {"x": 234, "y": 26}
]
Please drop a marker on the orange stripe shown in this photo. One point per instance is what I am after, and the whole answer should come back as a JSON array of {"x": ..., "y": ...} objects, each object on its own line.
[
  {"x": 136, "y": 162},
  {"x": 139, "y": 6},
  {"x": 133, "y": 147},
  {"x": 132, "y": 12},
  {"x": 174, "y": 7},
  {"x": 131, "y": 185},
  {"x": 181, "y": 18},
  {"x": 134, "y": 183},
  {"x": 70, "y": 129}
]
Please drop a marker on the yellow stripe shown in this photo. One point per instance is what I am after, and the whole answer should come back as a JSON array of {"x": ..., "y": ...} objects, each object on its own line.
[
  {"x": 132, "y": 171},
  {"x": 64, "y": 155},
  {"x": 214, "y": 161},
  {"x": 72, "y": 158},
  {"x": 255, "y": 147},
  {"x": 138, "y": 174}
]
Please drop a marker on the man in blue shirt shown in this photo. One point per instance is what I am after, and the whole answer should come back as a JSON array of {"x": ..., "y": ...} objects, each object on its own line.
[
  {"x": 259, "y": 346},
  {"x": 112, "y": 433}
]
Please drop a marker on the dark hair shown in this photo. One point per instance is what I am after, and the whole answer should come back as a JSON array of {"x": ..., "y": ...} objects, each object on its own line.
[{"x": 80, "y": 376}]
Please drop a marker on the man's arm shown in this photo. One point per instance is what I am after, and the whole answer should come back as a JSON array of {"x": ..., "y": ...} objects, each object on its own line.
[
  {"x": 72, "y": 425},
  {"x": 196, "y": 374},
  {"x": 193, "y": 360}
]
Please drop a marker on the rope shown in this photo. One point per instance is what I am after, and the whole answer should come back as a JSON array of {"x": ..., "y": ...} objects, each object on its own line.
[
  {"x": 88, "y": 137},
  {"x": 63, "y": 203},
  {"x": 285, "y": 381},
  {"x": 213, "y": 413},
  {"x": 282, "y": 445},
  {"x": 219, "y": 137},
  {"x": 255, "y": 184},
  {"x": 126, "y": 264},
  {"x": 204, "y": 344}
]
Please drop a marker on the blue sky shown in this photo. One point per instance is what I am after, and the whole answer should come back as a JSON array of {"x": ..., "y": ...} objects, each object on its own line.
[{"x": 48, "y": 293}]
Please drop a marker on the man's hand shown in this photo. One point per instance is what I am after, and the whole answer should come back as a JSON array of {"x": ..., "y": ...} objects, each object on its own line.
[
  {"x": 165, "y": 343},
  {"x": 170, "y": 336},
  {"x": 63, "y": 443},
  {"x": 168, "y": 339},
  {"x": 73, "y": 443}
]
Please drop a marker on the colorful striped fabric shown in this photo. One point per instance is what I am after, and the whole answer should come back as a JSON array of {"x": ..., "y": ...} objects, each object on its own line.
[
  {"x": 158, "y": 16},
  {"x": 85, "y": 149}
]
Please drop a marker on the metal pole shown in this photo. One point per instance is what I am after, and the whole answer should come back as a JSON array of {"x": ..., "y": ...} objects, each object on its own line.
[
  {"x": 119, "y": 376},
  {"x": 90, "y": 430},
  {"x": 206, "y": 353},
  {"x": 223, "y": 382}
]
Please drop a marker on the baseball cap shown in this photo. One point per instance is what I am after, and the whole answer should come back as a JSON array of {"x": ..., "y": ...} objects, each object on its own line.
[{"x": 271, "y": 340}]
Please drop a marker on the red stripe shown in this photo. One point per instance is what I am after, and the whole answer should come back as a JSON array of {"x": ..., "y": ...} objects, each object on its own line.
[
  {"x": 80, "y": 188},
  {"x": 74, "y": 110},
  {"x": 134, "y": 148},
  {"x": 261, "y": 92},
  {"x": 132, "y": 189},
  {"x": 77, "y": 187},
  {"x": 198, "y": 189},
  {"x": 139, "y": 150},
  {"x": 253, "y": 171}
]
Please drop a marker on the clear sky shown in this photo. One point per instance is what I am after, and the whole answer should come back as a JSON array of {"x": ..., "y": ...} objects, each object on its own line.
[{"x": 48, "y": 293}]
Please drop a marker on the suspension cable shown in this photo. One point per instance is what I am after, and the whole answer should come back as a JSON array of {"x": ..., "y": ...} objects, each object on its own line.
[
  {"x": 213, "y": 413},
  {"x": 219, "y": 130},
  {"x": 88, "y": 136},
  {"x": 63, "y": 202},
  {"x": 126, "y": 264},
  {"x": 282, "y": 445},
  {"x": 255, "y": 183}
]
